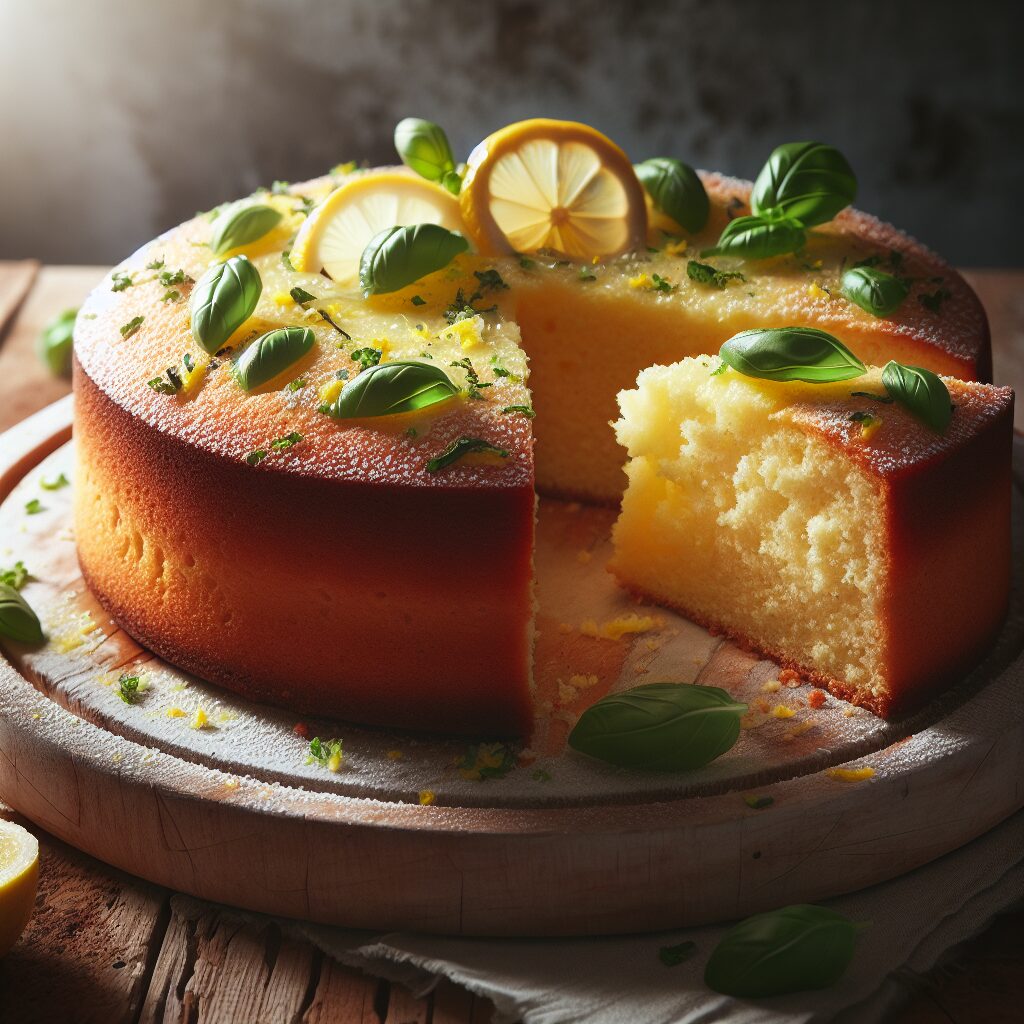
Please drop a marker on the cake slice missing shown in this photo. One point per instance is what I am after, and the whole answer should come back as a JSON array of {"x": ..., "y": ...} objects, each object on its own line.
[{"x": 833, "y": 532}]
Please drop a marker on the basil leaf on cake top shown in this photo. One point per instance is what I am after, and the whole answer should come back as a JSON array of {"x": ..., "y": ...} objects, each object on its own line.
[
  {"x": 271, "y": 354},
  {"x": 755, "y": 238},
  {"x": 665, "y": 727},
  {"x": 241, "y": 224},
  {"x": 790, "y": 353},
  {"x": 921, "y": 391},
  {"x": 387, "y": 389},
  {"x": 17, "y": 620},
  {"x": 222, "y": 300},
  {"x": 675, "y": 190},
  {"x": 806, "y": 181},
  {"x": 424, "y": 147},
  {"x": 875, "y": 291},
  {"x": 399, "y": 256},
  {"x": 802, "y": 185},
  {"x": 793, "y": 949}
]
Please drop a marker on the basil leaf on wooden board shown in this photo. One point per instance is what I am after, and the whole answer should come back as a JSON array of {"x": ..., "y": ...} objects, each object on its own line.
[
  {"x": 55, "y": 343},
  {"x": 757, "y": 238},
  {"x": 789, "y": 950},
  {"x": 17, "y": 620},
  {"x": 791, "y": 353},
  {"x": 920, "y": 391},
  {"x": 396, "y": 257},
  {"x": 424, "y": 147},
  {"x": 222, "y": 300},
  {"x": 241, "y": 224},
  {"x": 806, "y": 181},
  {"x": 464, "y": 446},
  {"x": 875, "y": 291},
  {"x": 676, "y": 191},
  {"x": 271, "y": 354},
  {"x": 665, "y": 727},
  {"x": 390, "y": 388}
]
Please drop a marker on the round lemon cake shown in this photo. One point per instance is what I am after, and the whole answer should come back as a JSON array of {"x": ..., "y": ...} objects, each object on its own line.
[{"x": 311, "y": 425}]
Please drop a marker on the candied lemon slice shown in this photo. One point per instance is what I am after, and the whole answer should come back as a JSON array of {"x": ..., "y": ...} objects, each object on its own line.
[
  {"x": 555, "y": 185},
  {"x": 336, "y": 232},
  {"x": 19, "y": 876}
]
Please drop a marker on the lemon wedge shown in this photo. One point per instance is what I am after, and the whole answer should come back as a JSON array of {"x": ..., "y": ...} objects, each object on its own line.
[
  {"x": 555, "y": 185},
  {"x": 336, "y": 232},
  {"x": 19, "y": 877}
]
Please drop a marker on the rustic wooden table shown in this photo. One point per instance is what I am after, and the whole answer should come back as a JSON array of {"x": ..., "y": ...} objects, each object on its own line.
[{"x": 108, "y": 948}]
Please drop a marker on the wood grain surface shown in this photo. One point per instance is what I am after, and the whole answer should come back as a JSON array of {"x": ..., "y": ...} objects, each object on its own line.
[{"x": 104, "y": 946}]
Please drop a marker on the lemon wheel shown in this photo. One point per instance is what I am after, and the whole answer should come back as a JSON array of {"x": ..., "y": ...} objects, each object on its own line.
[
  {"x": 336, "y": 232},
  {"x": 19, "y": 878},
  {"x": 553, "y": 185}
]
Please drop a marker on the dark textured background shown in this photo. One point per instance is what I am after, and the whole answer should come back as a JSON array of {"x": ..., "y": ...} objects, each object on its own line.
[{"x": 120, "y": 119}]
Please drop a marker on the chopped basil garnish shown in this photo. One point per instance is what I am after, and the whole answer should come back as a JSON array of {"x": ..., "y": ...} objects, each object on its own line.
[
  {"x": 120, "y": 280},
  {"x": 933, "y": 301},
  {"x": 391, "y": 388},
  {"x": 398, "y": 256},
  {"x": 461, "y": 447},
  {"x": 55, "y": 343},
  {"x": 665, "y": 727},
  {"x": 875, "y": 291},
  {"x": 806, "y": 181},
  {"x": 222, "y": 300},
  {"x": 241, "y": 224},
  {"x": 271, "y": 354},
  {"x": 526, "y": 410},
  {"x": 791, "y": 353},
  {"x": 366, "y": 357},
  {"x": 128, "y": 688},
  {"x": 17, "y": 620},
  {"x": 704, "y": 273},
  {"x": 789, "y": 950},
  {"x": 128, "y": 329},
  {"x": 675, "y": 190},
  {"x": 921, "y": 391},
  {"x": 282, "y": 444},
  {"x": 34, "y": 506},
  {"x": 15, "y": 577},
  {"x": 424, "y": 147},
  {"x": 325, "y": 752}
]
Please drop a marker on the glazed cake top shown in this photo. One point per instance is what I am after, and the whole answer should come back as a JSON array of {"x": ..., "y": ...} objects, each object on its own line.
[{"x": 136, "y": 324}]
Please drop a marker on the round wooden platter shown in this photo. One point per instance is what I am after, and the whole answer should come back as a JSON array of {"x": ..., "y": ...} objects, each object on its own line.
[{"x": 525, "y": 841}]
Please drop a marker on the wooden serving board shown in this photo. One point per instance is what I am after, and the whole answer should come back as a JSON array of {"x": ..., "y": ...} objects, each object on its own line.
[{"x": 559, "y": 844}]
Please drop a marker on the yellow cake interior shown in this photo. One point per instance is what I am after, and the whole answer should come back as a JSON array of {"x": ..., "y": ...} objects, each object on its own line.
[{"x": 738, "y": 517}]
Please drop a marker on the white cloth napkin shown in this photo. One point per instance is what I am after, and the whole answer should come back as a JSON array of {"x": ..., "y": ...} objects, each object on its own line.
[{"x": 914, "y": 919}]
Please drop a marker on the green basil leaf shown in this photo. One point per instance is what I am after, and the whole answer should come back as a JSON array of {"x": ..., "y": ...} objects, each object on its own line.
[
  {"x": 17, "y": 620},
  {"x": 271, "y": 354},
  {"x": 240, "y": 224},
  {"x": 806, "y": 181},
  {"x": 791, "y": 353},
  {"x": 676, "y": 190},
  {"x": 390, "y": 388},
  {"x": 222, "y": 300},
  {"x": 875, "y": 291},
  {"x": 665, "y": 727},
  {"x": 396, "y": 257},
  {"x": 424, "y": 147},
  {"x": 756, "y": 238},
  {"x": 789, "y": 950},
  {"x": 55, "y": 343},
  {"x": 920, "y": 391}
]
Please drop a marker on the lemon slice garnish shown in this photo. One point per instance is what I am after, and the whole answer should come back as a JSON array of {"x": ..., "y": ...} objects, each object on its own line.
[
  {"x": 337, "y": 231},
  {"x": 19, "y": 877},
  {"x": 555, "y": 185}
]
